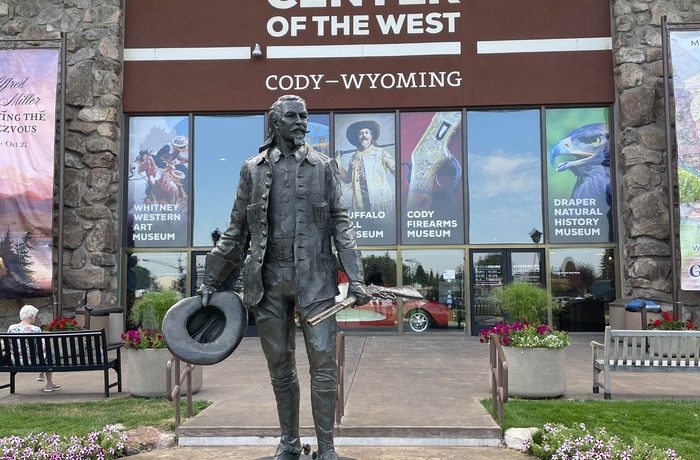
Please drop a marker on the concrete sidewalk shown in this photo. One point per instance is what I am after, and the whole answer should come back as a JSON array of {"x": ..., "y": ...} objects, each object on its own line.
[{"x": 411, "y": 396}]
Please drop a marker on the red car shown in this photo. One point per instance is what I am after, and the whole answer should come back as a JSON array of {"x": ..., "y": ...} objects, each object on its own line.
[{"x": 419, "y": 314}]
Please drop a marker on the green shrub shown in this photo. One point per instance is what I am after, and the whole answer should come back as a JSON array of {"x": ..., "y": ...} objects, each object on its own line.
[
  {"x": 149, "y": 310},
  {"x": 523, "y": 302}
]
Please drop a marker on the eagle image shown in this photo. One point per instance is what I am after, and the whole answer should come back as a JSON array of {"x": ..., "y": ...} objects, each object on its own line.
[{"x": 586, "y": 153}]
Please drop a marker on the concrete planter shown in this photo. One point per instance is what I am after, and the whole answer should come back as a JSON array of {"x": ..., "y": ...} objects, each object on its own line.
[
  {"x": 535, "y": 373},
  {"x": 146, "y": 372}
]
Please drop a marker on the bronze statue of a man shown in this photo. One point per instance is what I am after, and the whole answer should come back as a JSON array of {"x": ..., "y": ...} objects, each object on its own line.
[{"x": 288, "y": 208}]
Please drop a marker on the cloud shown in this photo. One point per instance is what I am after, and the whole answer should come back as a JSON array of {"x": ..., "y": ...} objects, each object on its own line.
[{"x": 503, "y": 173}]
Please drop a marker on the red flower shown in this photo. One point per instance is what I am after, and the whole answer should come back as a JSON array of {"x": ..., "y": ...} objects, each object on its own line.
[{"x": 657, "y": 323}]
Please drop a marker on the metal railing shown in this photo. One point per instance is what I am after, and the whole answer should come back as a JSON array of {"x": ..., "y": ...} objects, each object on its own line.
[
  {"x": 499, "y": 377},
  {"x": 173, "y": 393},
  {"x": 340, "y": 394}
]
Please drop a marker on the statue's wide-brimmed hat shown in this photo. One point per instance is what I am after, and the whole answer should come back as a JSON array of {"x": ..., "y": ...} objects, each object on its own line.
[
  {"x": 205, "y": 335},
  {"x": 353, "y": 129}
]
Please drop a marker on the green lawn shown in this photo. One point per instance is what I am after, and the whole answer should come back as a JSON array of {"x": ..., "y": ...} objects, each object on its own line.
[
  {"x": 83, "y": 417},
  {"x": 665, "y": 424}
]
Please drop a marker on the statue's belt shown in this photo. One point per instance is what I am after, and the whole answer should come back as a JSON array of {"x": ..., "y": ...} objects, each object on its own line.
[{"x": 281, "y": 250}]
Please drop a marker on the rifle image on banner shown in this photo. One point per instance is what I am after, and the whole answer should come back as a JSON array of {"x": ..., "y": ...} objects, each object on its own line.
[
  {"x": 345, "y": 152},
  {"x": 386, "y": 293}
]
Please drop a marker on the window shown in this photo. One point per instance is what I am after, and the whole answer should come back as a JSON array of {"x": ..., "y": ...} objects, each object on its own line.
[
  {"x": 221, "y": 144},
  {"x": 505, "y": 179}
]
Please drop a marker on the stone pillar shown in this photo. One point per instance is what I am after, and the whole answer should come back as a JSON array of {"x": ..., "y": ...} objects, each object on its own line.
[
  {"x": 94, "y": 31},
  {"x": 641, "y": 145}
]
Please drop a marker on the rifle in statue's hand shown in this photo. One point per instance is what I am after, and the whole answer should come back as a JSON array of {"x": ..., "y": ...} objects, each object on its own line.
[{"x": 381, "y": 292}]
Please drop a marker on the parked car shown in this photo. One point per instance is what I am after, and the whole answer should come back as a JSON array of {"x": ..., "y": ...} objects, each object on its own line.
[{"x": 419, "y": 314}]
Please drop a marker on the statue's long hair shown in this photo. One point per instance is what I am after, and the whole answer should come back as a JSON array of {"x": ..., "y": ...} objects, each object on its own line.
[{"x": 275, "y": 113}]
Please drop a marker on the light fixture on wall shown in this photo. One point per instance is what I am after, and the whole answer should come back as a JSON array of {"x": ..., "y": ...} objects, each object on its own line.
[
  {"x": 536, "y": 235},
  {"x": 257, "y": 52}
]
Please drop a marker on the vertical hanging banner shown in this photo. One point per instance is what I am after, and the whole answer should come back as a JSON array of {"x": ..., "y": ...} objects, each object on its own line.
[
  {"x": 158, "y": 182},
  {"x": 431, "y": 179},
  {"x": 28, "y": 81},
  {"x": 578, "y": 176},
  {"x": 685, "y": 56},
  {"x": 365, "y": 152}
]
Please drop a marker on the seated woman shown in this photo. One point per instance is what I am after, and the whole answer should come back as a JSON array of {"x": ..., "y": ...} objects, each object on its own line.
[{"x": 27, "y": 316}]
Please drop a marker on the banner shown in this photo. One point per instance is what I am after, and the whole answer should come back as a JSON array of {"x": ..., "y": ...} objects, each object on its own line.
[
  {"x": 431, "y": 179},
  {"x": 365, "y": 152},
  {"x": 685, "y": 56},
  {"x": 578, "y": 176},
  {"x": 158, "y": 182},
  {"x": 28, "y": 80}
]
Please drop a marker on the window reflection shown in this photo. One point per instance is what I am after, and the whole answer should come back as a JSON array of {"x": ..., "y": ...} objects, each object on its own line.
[
  {"x": 154, "y": 271},
  {"x": 583, "y": 283},
  {"x": 221, "y": 145},
  {"x": 378, "y": 315},
  {"x": 505, "y": 180},
  {"x": 439, "y": 277}
]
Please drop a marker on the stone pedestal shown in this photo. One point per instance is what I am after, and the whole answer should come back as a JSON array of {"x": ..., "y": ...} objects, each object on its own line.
[
  {"x": 535, "y": 373},
  {"x": 146, "y": 373}
]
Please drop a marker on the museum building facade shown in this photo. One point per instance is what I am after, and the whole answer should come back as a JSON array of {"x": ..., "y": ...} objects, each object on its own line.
[{"x": 503, "y": 141}]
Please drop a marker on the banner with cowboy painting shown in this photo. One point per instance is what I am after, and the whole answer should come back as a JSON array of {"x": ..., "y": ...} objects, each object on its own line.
[
  {"x": 158, "y": 182},
  {"x": 431, "y": 178},
  {"x": 28, "y": 79},
  {"x": 365, "y": 149}
]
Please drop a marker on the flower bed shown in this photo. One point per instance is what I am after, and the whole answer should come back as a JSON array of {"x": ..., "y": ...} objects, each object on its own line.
[
  {"x": 670, "y": 322},
  {"x": 143, "y": 338},
  {"x": 578, "y": 442},
  {"x": 106, "y": 444},
  {"x": 526, "y": 336},
  {"x": 61, "y": 324}
]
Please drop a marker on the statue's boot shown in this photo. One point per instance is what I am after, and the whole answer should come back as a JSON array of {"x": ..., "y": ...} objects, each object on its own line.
[
  {"x": 287, "y": 396},
  {"x": 323, "y": 408}
]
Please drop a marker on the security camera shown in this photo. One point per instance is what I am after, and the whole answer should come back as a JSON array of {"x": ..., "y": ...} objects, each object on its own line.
[{"x": 257, "y": 52}]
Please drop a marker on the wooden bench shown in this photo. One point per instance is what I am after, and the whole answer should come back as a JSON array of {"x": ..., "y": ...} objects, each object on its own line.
[
  {"x": 644, "y": 351},
  {"x": 70, "y": 351}
]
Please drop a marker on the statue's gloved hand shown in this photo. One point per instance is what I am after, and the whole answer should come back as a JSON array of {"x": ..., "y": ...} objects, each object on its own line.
[
  {"x": 205, "y": 291},
  {"x": 358, "y": 289}
]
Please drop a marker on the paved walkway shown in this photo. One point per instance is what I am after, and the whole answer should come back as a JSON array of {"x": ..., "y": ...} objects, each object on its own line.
[{"x": 412, "y": 396}]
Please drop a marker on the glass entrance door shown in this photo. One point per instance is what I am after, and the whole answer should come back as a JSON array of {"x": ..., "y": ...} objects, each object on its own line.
[{"x": 491, "y": 268}]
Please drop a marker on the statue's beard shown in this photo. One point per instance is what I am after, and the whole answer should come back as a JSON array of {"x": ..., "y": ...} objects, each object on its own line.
[
  {"x": 365, "y": 143},
  {"x": 299, "y": 139}
]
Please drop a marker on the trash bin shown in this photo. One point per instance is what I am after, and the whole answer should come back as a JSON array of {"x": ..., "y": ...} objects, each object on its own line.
[
  {"x": 633, "y": 313},
  {"x": 109, "y": 317},
  {"x": 587, "y": 315}
]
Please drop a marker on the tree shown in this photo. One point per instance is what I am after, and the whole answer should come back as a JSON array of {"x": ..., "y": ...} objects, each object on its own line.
[
  {"x": 383, "y": 265},
  {"x": 23, "y": 249},
  {"x": 421, "y": 276},
  {"x": 16, "y": 258}
]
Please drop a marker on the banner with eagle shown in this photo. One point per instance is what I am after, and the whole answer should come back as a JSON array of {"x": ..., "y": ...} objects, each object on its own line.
[
  {"x": 685, "y": 57},
  {"x": 578, "y": 175},
  {"x": 28, "y": 82}
]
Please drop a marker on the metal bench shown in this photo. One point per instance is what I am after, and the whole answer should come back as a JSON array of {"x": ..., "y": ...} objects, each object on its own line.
[
  {"x": 71, "y": 351},
  {"x": 643, "y": 351}
]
